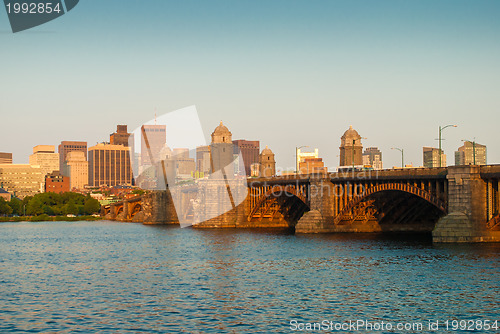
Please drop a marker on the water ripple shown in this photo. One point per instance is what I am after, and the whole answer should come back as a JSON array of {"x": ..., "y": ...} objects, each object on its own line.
[{"x": 109, "y": 277}]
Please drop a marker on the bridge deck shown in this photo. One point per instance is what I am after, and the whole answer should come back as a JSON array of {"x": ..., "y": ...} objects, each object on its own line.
[{"x": 386, "y": 174}]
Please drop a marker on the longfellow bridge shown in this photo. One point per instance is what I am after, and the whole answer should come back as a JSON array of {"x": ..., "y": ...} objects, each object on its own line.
[{"x": 456, "y": 204}]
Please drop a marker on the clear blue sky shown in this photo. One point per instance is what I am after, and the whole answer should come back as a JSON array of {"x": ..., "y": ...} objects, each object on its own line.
[{"x": 287, "y": 73}]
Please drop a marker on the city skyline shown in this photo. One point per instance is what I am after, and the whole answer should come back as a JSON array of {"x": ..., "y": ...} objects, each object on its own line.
[
  {"x": 307, "y": 71},
  {"x": 259, "y": 166},
  {"x": 307, "y": 150}
]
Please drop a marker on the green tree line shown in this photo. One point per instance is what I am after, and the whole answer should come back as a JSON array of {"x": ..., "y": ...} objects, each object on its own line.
[{"x": 51, "y": 204}]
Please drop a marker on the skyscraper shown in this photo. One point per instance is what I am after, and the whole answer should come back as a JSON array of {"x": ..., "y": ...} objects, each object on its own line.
[
  {"x": 76, "y": 168},
  {"x": 471, "y": 153},
  {"x": 249, "y": 152},
  {"x": 69, "y": 146},
  {"x": 45, "y": 157},
  {"x": 431, "y": 157},
  {"x": 351, "y": 148},
  {"x": 373, "y": 157},
  {"x": 153, "y": 138},
  {"x": 109, "y": 165}
]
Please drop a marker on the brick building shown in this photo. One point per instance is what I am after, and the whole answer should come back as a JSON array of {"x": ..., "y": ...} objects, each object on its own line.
[
  {"x": 249, "y": 150},
  {"x": 55, "y": 182}
]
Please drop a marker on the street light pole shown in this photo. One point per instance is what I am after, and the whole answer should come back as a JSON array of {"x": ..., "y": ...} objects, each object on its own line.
[
  {"x": 474, "y": 151},
  {"x": 439, "y": 152},
  {"x": 402, "y": 155},
  {"x": 297, "y": 158}
]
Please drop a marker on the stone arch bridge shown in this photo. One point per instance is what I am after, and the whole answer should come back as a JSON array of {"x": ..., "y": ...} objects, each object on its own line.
[{"x": 458, "y": 203}]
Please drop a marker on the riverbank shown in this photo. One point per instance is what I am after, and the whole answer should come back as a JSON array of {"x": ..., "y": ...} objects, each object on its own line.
[{"x": 44, "y": 217}]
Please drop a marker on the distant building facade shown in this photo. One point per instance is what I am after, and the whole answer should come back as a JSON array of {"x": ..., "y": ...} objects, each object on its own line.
[
  {"x": 7, "y": 196},
  {"x": 22, "y": 180},
  {"x": 45, "y": 157},
  {"x": 153, "y": 138},
  {"x": 120, "y": 137},
  {"x": 5, "y": 158},
  {"x": 471, "y": 153},
  {"x": 76, "y": 167},
  {"x": 255, "y": 169},
  {"x": 180, "y": 153},
  {"x": 267, "y": 163},
  {"x": 431, "y": 157},
  {"x": 221, "y": 148},
  {"x": 301, "y": 156},
  {"x": 312, "y": 166},
  {"x": 109, "y": 165},
  {"x": 373, "y": 157},
  {"x": 55, "y": 182},
  {"x": 249, "y": 150},
  {"x": 203, "y": 159},
  {"x": 351, "y": 148},
  {"x": 185, "y": 167},
  {"x": 69, "y": 146}
]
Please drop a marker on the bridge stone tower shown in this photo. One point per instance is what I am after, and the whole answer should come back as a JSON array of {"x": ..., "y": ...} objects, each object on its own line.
[
  {"x": 473, "y": 201},
  {"x": 221, "y": 148},
  {"x": 267, "y": 163},
  {"x": 351, "y": 148}
]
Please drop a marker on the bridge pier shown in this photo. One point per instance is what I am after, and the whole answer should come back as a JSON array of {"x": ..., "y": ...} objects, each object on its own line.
[
  {"x": 324, "y": 203},
  {"x": 467, "y": 208},
  {"x": 158, "y": 208}
]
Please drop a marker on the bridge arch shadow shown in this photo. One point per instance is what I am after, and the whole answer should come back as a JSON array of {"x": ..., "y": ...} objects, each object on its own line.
[
  {"x": 394, "y": 207},
  {"x": 288, "y": 203},
  {"x": 135, "y": 209}
]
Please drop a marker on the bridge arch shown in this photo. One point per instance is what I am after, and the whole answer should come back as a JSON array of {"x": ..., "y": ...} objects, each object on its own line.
[
  {"x": 106, "y": 209},
  {"x": 135, "y": 208},
  {"x": 289, "y": 200},
  {"x": 118, "y": 209},
  {"x": 367, "y": 198}
]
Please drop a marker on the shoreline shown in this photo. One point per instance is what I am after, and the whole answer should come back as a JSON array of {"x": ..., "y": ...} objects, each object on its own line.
[{"x": 46, "y": 218}]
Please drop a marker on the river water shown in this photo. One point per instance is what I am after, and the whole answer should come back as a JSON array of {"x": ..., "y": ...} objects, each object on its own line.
[{"x": 111, "y": 277}]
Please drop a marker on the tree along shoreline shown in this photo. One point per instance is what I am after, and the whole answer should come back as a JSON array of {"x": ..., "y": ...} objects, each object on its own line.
[
  {"x": 50, "y": 206},
  {"x": 47, "y": 218}
]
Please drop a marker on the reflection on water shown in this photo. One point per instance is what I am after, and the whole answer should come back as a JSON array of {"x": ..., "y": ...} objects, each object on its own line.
[{"x": 115, "y": 277}]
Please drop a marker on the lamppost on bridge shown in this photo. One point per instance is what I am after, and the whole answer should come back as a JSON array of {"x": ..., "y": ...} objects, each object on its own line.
[
  {"x": 473, "y": 147},
  {"x": 441, "y": 130},
  {"x": 402, "y": 155},
  {"x": 297, "y": 158}
]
